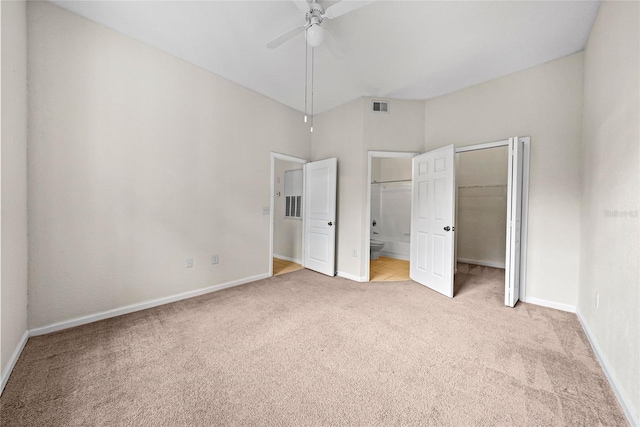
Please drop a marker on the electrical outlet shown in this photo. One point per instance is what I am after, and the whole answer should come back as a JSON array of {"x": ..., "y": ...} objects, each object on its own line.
[
  {"x": 265, "y": 210},
  {"x": 597, "y": 299},
  {"x": 354, "y": 253},
  {"x": 215, "y": 259},
  {"x": 189, "y": 263}
]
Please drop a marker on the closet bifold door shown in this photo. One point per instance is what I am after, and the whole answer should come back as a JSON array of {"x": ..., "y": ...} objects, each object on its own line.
[{"x": 514, "y": 221}]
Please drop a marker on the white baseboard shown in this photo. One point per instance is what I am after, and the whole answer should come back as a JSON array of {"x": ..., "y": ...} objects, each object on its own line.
[
  {"x": 12, "y": 361},
  {"x": 483, "y": 263},
  {"x": 394, "y": 255},
  {"x": 550, "y": 304},
  {"x": 59, "y": 326},
  {"x": 633, "y": 419},
  {"x": 352, "y": 276},
  {"x": 286, "y": 258}
]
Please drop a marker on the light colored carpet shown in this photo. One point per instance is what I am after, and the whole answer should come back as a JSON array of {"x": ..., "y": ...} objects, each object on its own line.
[{"x": 306, "y": 349}]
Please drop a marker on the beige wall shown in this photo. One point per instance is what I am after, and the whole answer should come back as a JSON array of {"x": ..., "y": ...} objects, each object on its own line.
[
  {"x": 348, "y": 132},
  {"x": 400, "y": 130},
  {"x": 481, "y": 206},
  {"x": 609, "y": 264},
  {"x": 13, "y": 128},
  {"x": 338, "y": 133},
  {"x": 135, "y": 167},
  {"x": 545, "y": 103},
  {"x": 390, "y": 169},
  {"x": 287, "y": 232}
]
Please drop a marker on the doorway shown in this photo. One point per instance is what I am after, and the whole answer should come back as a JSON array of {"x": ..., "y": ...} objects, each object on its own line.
[
  {"x": 481, "y": 206},
  {"x": 516, "y": 219},
  {"x": 481, "y": 218},
  {"x": 286, "y": 235},
  {"x": 307, "y": 198},
  {"x": 388, "y": 216}
]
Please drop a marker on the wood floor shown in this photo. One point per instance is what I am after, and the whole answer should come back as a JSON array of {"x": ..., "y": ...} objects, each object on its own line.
[
  {"x": 386, "y": 269},
  {"x": 281, "y": 266}
]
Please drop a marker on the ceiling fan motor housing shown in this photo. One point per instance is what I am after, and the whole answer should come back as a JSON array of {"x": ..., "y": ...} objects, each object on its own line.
[{"x": 314, "y": 15}]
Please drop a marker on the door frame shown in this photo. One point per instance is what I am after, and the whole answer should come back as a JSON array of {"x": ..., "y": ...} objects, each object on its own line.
[
  {"x": 371, "y": 155},
  {"x": 525, "y": 201},
  {"x": 278, "y": 156}
]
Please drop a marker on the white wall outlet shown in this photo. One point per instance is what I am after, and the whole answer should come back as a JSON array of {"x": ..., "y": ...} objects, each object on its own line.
[
  {"x": 189, "y": 263},
  {"x": 215, "y": 259},
  {"x": 597, "y": 299},
  {"x": 265, "y": 210},
  {"x": 354, "y": 253}
]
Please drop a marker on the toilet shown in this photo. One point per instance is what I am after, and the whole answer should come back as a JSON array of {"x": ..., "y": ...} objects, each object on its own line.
[{"x": 376, "y": 247}]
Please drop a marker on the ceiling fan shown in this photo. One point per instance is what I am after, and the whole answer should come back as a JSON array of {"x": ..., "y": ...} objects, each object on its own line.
[{"x": 314, "y": 16}]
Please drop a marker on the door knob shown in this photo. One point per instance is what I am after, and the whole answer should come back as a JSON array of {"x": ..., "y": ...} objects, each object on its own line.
[
  {"x": 447, "y": 228},
  {"x": 330, "y": 223}
]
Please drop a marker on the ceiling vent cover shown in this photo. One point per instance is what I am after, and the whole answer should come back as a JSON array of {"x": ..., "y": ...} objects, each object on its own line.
[{"x": 380, "y": 106}]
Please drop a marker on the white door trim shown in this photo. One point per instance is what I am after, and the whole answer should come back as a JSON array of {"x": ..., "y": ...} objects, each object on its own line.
[
  {"x": 366, "y": 254},
  {"x": 525, "y": 216},
  {"x": 272, "y": 195}
]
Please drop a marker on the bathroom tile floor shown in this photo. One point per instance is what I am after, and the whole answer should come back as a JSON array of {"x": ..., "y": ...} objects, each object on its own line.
[
  {"x": 386, "y": 269},
  {"x": 281, "y": 266}
]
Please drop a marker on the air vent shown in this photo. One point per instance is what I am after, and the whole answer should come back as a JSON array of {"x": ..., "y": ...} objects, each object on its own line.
[{"x": 380, "y": 106}]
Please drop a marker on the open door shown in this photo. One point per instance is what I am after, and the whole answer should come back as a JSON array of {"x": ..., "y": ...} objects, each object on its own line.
[
  {"x": 320, "y": 216},
  {"x": 432, "y": 216},
  {"x": 514, "y": 222}
]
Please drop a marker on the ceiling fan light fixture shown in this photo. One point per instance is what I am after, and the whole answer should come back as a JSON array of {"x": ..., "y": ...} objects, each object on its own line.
[{"x": 315, "y": 35}]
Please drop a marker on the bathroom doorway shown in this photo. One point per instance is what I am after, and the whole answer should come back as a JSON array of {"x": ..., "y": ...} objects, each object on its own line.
[{"x": 389, "y": 216}]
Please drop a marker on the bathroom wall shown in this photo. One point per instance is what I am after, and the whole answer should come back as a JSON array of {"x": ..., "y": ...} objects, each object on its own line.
[
  {"x": 287, "y": 232},
  {"x": 481, "y": 179}
]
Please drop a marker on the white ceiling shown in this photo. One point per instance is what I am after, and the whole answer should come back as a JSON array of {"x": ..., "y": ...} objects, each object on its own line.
[{"x": 394, "y": 49}]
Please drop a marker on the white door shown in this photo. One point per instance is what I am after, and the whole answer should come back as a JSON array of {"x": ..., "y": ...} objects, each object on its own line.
[
  {"x": 514, "y": 222},
  {"x": 320, "y": 215},
  {"x": 432, "y": 216}
]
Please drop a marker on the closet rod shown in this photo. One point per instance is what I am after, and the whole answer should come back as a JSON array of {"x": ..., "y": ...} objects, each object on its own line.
[
  {"x": 387, "y": 182},
  {"x": 485, "y": 186}
]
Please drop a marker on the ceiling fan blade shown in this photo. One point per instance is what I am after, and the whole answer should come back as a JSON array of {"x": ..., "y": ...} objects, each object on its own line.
[
  {"x": 333, "y": 45},
  {"x": 285, "y": 36},
  {"x": 345, "y": 6},
  {"x": 303, "y": 5}
]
